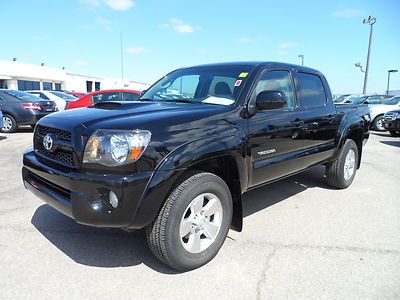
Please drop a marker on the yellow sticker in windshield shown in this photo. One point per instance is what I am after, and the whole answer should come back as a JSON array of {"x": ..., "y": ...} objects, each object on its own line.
[{"x": 243, "y": 74}]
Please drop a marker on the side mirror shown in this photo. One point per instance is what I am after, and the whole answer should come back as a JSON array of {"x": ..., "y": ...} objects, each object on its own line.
[
  {"x": 366, "y": 102},
  {"x": 271, "y": 100}
]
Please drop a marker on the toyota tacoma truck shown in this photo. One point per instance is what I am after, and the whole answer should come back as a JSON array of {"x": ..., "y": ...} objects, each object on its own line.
[{"x": 177, "y": 160}]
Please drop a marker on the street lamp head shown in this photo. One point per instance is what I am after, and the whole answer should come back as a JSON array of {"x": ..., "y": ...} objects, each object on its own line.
[
  {"x": 393, "y": 71},
  {"x": 301, "y": 55},
  {"x": 357, "y": 65},
  {"x": 370, "y": 20}
]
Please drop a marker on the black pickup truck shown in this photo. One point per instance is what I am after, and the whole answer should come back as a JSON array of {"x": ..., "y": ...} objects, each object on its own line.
[{"x": 178, "y": 160}]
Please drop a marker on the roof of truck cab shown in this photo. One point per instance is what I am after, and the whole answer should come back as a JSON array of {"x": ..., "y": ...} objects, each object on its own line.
[{"x": 255, "y": 64}]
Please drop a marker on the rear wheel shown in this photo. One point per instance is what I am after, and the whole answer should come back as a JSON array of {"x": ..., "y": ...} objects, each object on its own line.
[
  {"x": 193, "y": 222},
  {"x": 9, "y": 124},
  {"x": 394, "y": 133},
  {"x": 378, "y": 124},
  {"x": 341, "y": 172}
]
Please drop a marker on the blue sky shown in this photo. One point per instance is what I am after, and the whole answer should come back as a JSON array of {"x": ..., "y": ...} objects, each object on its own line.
[{"x": 161, "y": 35}]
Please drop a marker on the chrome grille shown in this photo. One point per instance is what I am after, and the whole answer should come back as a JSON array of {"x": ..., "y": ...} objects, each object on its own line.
[{"x": 390, "y": 116}]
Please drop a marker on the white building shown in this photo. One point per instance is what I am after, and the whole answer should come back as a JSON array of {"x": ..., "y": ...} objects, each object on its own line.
[{"x": 21, "y": 76}]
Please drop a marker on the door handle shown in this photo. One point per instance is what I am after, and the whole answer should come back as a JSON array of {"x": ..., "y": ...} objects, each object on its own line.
[{"x": 312, "y": 126}]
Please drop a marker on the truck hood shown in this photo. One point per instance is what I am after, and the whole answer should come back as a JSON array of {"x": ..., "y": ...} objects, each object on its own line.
[
  {"x": 117, "y": 115},
  {"x": 163, "y": 119}
]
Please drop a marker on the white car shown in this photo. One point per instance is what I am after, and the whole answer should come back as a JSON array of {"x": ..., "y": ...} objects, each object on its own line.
[
  {"x": 377, "y": 112},
  {"x": 59, "y": 98}
]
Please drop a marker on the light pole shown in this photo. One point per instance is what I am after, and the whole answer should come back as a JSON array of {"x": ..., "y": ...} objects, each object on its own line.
[
  {"x": 390, "y": 71},
  {"x": 358, "y": 65},
  {"x": 302, "y": 59},
  {"x": 371, "y": 21}
]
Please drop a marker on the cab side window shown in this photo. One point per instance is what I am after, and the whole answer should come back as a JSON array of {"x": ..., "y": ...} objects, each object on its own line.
[
  {"x": 129, "y": 96},
  {"x": 310, "y": 90},
  {"x": 278, "y": 80},
  {"x": 105, "y": 97}
]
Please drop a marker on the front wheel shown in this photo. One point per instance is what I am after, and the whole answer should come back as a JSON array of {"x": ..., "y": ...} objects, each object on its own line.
[
  {"x": 193, "y": 222},
  {"x": 341, "y": 172}
]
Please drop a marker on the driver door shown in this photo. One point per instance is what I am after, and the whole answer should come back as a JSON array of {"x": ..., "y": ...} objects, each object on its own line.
[{"x": 275, "y": 135}]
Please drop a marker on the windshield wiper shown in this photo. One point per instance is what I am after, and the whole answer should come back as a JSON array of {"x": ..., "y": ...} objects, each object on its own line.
[{"x": 181, "y": 101}]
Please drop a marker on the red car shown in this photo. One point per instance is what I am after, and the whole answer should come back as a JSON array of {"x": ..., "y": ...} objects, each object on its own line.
[
  {"x": 104, "y": 96},
  {"x": 76, "y": 94}
]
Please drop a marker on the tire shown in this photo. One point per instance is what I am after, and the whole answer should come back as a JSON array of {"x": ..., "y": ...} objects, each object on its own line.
[
  {"x": 340, "y": 174},
  {"x": 181, "y": 213},
  {"x": 377, "y": 124},
  {"x": 394, "y": 133},
  {"x": 9, "y": 124}
]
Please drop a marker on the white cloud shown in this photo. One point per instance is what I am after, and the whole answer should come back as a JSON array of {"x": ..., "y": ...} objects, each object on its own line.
[
  {"x": 120, "y": 4},
  {"x": 244, "y": 40},
  {"x": 347, "y": 13},
  {"x": 135, "y": 50},
  {"x": 81, "y": 63},
  {"x": 113, "y": 4},
  {"x": 287, "y": 45},
  {"x": 104, "y": 24},
  {"x": 180, "y": 26},
  {"x": 202, "y": 52}
]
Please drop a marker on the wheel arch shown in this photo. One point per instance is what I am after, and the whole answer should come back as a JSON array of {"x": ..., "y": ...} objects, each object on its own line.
[
  {"x": 355, "y": 134},
  {"x": 214, "y": 156}
]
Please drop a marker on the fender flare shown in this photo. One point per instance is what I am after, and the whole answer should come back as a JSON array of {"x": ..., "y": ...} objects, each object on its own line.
[{"x": 175, "y": 164}]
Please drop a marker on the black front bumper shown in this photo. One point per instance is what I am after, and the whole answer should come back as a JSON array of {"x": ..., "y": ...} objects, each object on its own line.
[
  {"x": 85, "y": 196},
  {"x": 391, "y": 125}
]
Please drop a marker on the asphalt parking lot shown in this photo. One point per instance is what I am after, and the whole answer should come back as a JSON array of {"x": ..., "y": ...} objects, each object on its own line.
[{"x": 301, "y": 239}]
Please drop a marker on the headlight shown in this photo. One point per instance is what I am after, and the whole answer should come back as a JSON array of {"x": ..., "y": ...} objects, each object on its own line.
[{"x": 116, "y": 147}]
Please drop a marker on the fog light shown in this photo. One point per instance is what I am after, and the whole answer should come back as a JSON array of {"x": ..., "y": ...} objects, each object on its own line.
[
  {"x": 113, "y": 199},
  {"x": 96, "y": 205}
]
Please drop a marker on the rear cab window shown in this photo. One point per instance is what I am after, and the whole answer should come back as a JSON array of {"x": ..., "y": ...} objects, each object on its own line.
[{"x": 310, "y": 90}]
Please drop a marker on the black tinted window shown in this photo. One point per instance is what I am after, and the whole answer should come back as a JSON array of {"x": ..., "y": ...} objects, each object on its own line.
[
  {"x": 278, "y": 80},
  {"x": 310, "y": 90},
  {"x": 105, "y": 97},
  {"x": 129, "y": 96}
]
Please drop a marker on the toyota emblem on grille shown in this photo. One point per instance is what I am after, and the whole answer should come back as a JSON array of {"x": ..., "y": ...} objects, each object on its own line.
[{"x": 47, "y": 142}]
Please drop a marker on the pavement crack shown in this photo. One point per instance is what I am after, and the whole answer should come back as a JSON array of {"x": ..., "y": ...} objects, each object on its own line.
[{"x": 264, "y": 273}]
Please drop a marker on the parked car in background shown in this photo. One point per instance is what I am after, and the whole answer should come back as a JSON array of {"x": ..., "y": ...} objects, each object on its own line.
[
  {"x": 76, "y": 94},
  {"x": 60, "y": 98},
  {"x": 376, "y": 99},
  {"x": 356, "y": 99},
  {"x": 391, "y": 122},
  {"x": 104, "y": 96},
  {"x": 20, "y": 108},
  {"x": 1, "y": 116},
  {"x": 377, "y": 112},
  {"x": 341, "y": 99}
]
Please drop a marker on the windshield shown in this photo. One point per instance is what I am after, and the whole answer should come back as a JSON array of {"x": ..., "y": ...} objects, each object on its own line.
[
  {"x": 64, "y": 95},
  {"x": 211, "y": 85},
  {"x": 357, "y": 100},
  {"x": 340, "y": 98},
  {"x": 22, "y": 95},
  {"x": 392, "y": 101}
]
